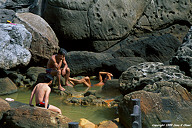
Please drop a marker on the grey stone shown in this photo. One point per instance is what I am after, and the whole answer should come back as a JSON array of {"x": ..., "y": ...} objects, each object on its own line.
[{"x": 15, "y": 41}]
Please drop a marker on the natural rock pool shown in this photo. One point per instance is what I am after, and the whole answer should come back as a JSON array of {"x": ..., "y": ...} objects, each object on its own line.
[{"x": 94, "y": 114}]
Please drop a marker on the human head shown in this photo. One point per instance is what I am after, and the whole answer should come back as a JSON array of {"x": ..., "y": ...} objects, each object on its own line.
[
  {"x": 62, "y": 51},
  {"x": 48, "y": 78}
]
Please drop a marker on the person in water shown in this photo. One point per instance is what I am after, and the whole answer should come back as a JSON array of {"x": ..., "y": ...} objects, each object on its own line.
[
  {"x": 41, "y": 92},
  {"x": 86, "y": 80},
  {"x": 57, "y": 66},
  {"x": 107, "y": 76}
]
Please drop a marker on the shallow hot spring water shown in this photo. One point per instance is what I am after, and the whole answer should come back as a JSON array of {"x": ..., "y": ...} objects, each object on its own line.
[{"x": 94, "y": 114}]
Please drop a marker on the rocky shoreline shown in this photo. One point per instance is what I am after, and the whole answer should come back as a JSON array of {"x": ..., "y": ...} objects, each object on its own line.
[{"x": 145, "y": 44}]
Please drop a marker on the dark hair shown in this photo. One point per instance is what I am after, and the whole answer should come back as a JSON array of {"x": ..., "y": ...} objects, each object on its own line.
[
  {"x": 48, "y": 78},
  {"x": 62, "y": 51}
]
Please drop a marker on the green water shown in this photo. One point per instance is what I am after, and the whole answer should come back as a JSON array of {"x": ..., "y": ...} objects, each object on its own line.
[{"x": 94, "y": 114}]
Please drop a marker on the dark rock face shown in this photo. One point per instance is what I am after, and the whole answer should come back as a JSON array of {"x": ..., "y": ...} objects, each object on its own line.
[
  {"x": 7, "y": 86},
  {"x": 91, "y": 20},
  {"x": 85, "y": 63},
  {"x": 137, "y": 77},
  {"x": 167, "y": 101},
  {"x": 16, "y": 5},
  {"x": 102, "y": 24},
  {"x": 183, "y": 55},
  {"x": 26, "y": 116},
  {"x": 153, "y": 48}
]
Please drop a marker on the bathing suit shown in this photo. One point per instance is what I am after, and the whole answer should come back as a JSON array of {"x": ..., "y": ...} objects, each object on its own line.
[
  {"x": 42, "y": 104},
  {"x": 48, "y": 70}
]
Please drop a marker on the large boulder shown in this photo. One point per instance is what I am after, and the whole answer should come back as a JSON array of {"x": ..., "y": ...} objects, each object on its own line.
[
  {"x": 86, "y": 63},
  {"x": 166, "y": 101},
  {"x": 4, "y": 107},
  {"x": 7, "y": 86},
  {"x": 138, "y": 76},
  {"x": 44, "y": 42},
  {"x": 153, "y": 48},
  {"x": 26, "y": 116},
  {"x": 166, "y": 16},
  {"x": 103, "y": 22},
  {"x": 183, "y": 57},
  {"x": 15, "y": 40}
]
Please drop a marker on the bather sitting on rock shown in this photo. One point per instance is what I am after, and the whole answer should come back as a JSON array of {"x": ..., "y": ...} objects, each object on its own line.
[
  {"x": 86, "y": 80},
  {"x": 41, "y": 92},
  {"x": 57, "y": 66}
]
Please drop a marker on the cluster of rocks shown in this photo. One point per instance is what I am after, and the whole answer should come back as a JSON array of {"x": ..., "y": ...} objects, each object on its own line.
[{"x": 162, "y": 93}]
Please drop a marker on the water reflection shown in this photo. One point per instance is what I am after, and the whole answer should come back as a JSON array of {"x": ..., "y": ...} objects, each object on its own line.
[{"x": 94, "y": 114}]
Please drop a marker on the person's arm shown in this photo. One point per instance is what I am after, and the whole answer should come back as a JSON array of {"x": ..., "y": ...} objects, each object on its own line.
[
  {"x": 109, "y": 75},
  {"x": 32, "y": 95},
  {"x": 100, "y": 75},
  {"x": 47, "y": 97},
  {"x": 65, "y": 63},
  {"x": 55, "y": 62}
]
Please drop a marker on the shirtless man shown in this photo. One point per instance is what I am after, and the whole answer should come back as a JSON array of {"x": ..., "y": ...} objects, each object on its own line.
[
  {"x": 57, "y": 66},
  {"x": 41, "y": 92}
]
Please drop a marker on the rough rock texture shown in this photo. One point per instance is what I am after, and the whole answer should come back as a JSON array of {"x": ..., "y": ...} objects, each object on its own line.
[
  {"x": 4, "y": 107},
  {"x": 168, "y": 101},
  {"x": 153, "y": 48},
  {"x": 6, "y": 14},
  {"x": 44, "y": 42},
  {"x": 94, "y": 20},
  {"x": 138, "y": 76},
  {"x": 107, "y": 22},
  {"x": 7, "y": 86},
  {"x": 183, "y": 57},
  {"x": 15, "y": 41},
  {"x": 16, "y": 5},
  {"x": 26, "y": 116}
]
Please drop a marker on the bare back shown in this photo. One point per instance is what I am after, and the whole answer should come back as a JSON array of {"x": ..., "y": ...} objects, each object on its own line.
[{"x": 42, "y": 90}]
